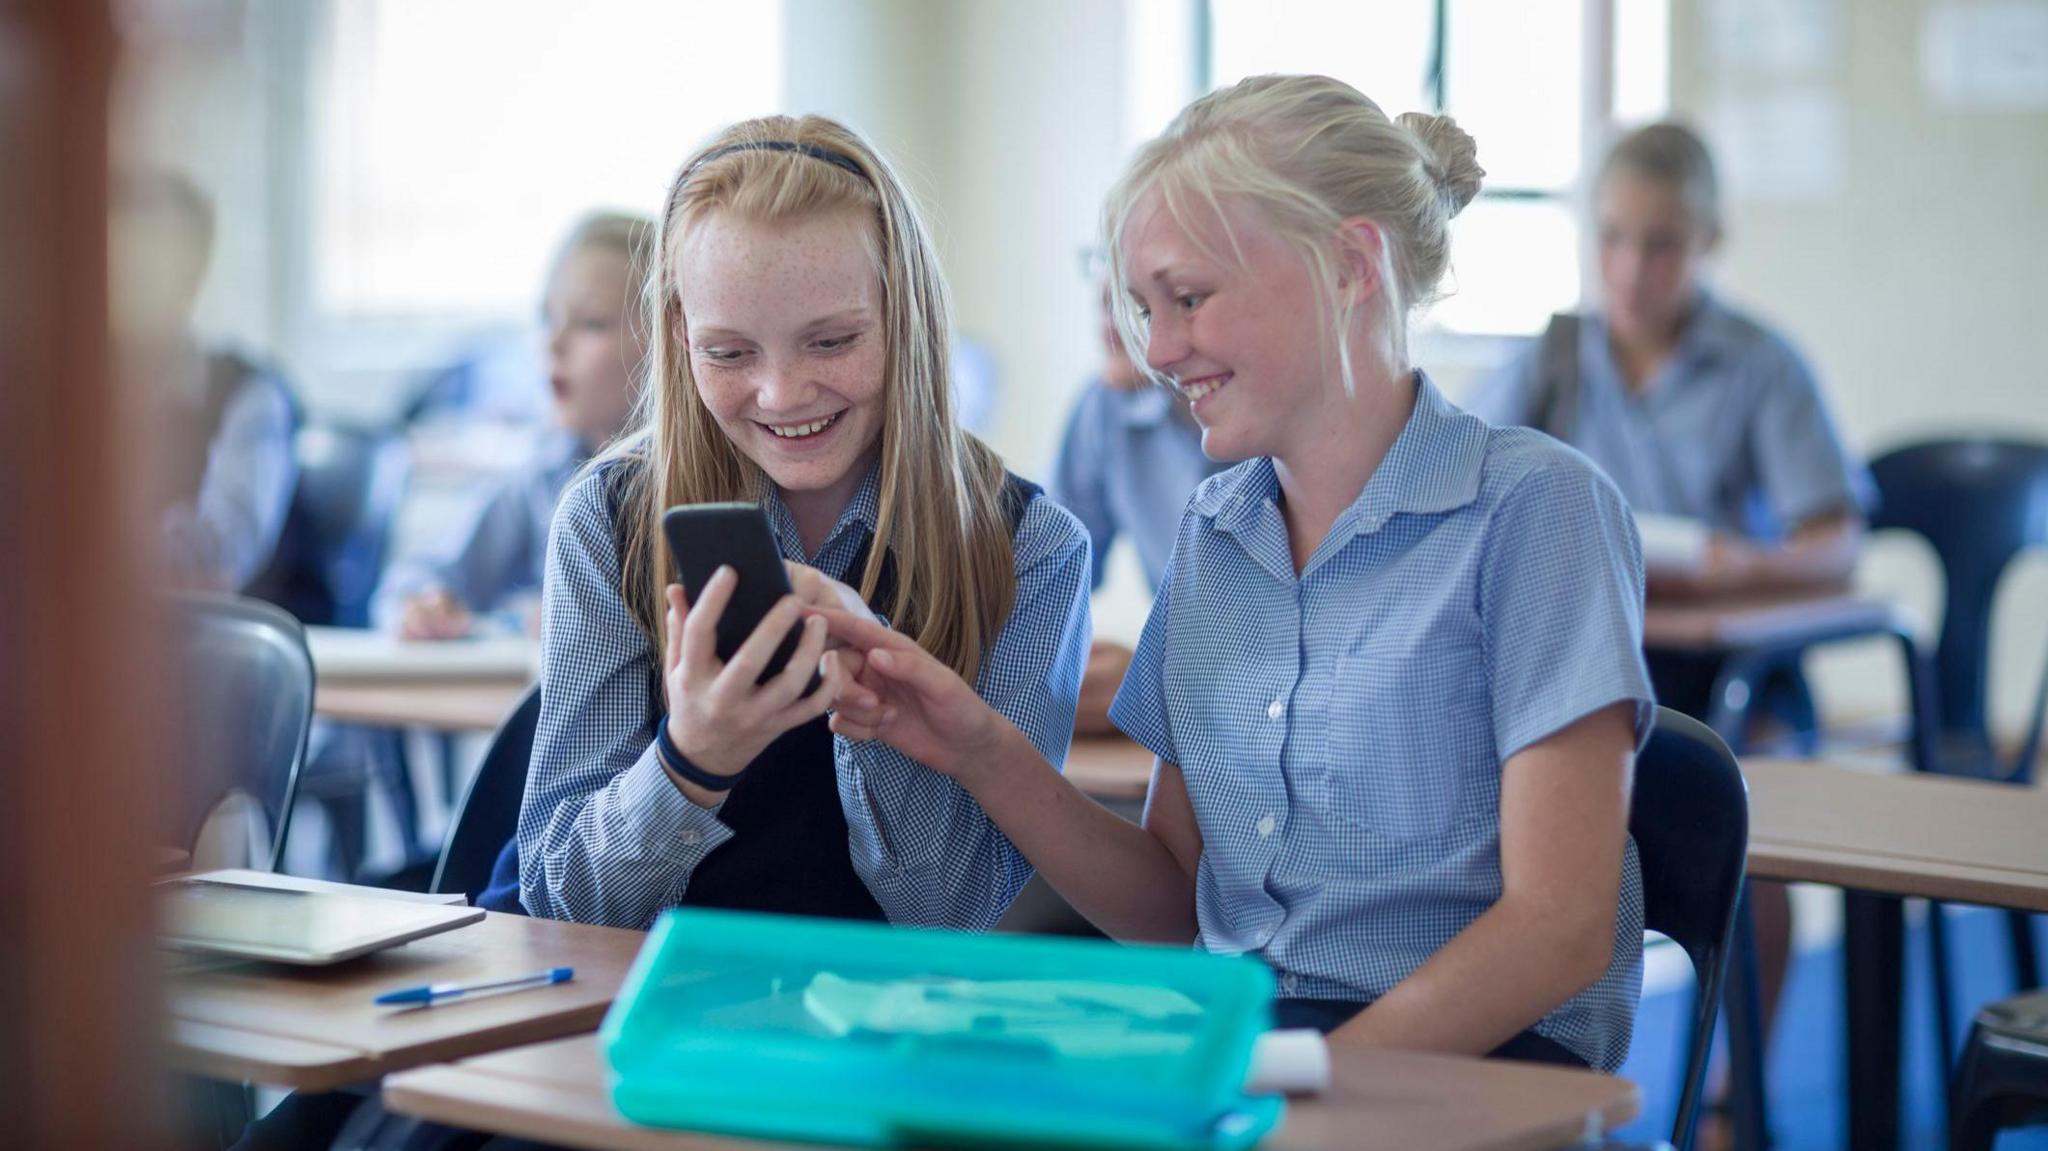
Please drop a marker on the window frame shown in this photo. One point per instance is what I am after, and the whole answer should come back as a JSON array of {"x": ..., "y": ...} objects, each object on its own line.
[{"x": 1597, "y": 127}]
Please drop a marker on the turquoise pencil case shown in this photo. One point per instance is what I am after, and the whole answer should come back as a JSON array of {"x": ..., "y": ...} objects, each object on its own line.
[{"x": 856, "y": 1033}]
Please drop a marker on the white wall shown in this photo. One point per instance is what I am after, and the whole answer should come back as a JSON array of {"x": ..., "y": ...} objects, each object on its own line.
[
  {"x": 190, "y": 95},
  {"x": 1917, "y": 286}
]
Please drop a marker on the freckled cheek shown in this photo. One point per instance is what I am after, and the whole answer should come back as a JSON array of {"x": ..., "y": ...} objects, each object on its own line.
[
  {"x": 723, "y": 393},
  {"x": 857, "y": 379}
]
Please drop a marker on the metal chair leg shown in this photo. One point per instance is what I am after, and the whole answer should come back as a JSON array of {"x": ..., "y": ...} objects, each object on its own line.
[{"x": 1748, "y": 1109}]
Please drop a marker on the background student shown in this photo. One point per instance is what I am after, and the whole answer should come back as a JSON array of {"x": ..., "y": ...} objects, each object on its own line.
[
  {"x": 1393, "y": 675},
  {"x": 799, "y": 358},
  {"x": 221, "y": 427},
  {"x": 1698, "y": 410},
  {"x": 1130, "y": 457},
  {"x": 595, "y": 347}
]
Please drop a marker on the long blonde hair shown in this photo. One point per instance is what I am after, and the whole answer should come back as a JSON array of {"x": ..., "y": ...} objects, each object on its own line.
[
  {"x": 1310, "y": 153},
  {"x": 941, "y": 513}
]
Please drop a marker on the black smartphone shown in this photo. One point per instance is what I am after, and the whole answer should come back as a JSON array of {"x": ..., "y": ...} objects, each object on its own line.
[{"x": 701, "y": 538}]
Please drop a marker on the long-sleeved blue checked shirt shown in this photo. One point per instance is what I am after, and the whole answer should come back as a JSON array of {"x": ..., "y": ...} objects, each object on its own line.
[
  {"x": 606, "y": 837},
  {"x": 228, "y": 531},
  {"x": 1342, "y": 731},
  {"x": 496, "y": 555}
]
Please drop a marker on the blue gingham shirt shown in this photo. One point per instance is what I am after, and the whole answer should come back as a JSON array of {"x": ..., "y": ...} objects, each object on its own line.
[
  {"x": 227, "y": 535},
  {"x": 1732, "y": 431},
  {"x": 1342, "y": 732},
  {"x": 1126, "y": 466},
  {"x": 495, "y": 556},
  {"x": 605, "y": 836}
]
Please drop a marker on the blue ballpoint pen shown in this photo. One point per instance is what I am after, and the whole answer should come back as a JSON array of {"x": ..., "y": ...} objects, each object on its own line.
[{"x": 433, "y": 992}]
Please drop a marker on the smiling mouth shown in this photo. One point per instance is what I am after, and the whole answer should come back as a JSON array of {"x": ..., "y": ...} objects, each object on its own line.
[
  {"x": 1194, "y": 390},
  {"x": 803, "y": 431}
]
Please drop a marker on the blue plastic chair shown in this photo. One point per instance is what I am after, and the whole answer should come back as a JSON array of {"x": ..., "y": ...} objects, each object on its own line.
[
  {"x": 1979, "y": 502},
  {"x": 1690, "y": 820},
  {"x": 489, "y": 811},
  {"x": 247, "y": 684},
  {"x": 351, "y": 480},
  {"x": 2002, "y": 1080}
]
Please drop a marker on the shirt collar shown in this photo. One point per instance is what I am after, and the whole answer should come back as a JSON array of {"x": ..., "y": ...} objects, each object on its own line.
[
  {"x": 859, "y": 517},
  {"x": 1709, "y": 333},
  {"x": 1433, "y": 467}
]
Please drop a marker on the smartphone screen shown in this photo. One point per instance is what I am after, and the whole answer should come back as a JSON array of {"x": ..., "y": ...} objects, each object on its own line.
[{"x": 701, "y": 537}]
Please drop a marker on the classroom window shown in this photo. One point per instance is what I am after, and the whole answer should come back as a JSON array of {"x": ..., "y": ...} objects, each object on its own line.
[
  {"x": 456, "y": 140},
  {"x": 1517, "y": 74}
]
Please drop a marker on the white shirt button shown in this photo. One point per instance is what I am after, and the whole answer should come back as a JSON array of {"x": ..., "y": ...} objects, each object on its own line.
[
  {"x": 1276, "y": 709},
  {"x": 693, "y": 838},
  {"x": 1288, "y": 985},
  {"x": 1266, "y": 825}
]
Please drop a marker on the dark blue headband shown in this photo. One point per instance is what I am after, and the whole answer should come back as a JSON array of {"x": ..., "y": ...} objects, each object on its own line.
[{"x": 836, "y": 159}]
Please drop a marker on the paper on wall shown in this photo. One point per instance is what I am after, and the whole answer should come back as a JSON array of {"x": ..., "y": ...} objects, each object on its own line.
[
  {"x": 1775, "y": 38},
  {"x": 1788, "y": 146},
  {"x": 1988, "y": 54}
]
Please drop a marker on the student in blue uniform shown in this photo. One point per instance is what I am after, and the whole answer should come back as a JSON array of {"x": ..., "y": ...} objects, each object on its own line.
[
  {"x": 1128, "y": 460},
  {"x": 1393, "y": 674},
  {"x": 799, "y": 359},
  {"x": 595, "y": 348},
  {"x": 224, "y": 426},
  {"x": 1693, "y": 408},
  {"x": 1696, "y": 410}
]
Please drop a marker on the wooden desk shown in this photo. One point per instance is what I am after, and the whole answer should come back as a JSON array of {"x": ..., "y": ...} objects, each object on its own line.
[
  {"x": 441, "y": 705},
  {"x": 1881, "y": 837},
  {"x": 1916, "y": 835},
  {"x": 373, "y": 678},
  {"x": 316, "y": 1029},
  {"x": 1782, "y": 621},
  {"x": 557, "y": 1092}
]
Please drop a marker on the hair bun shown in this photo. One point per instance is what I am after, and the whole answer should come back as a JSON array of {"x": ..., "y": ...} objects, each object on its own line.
[{"x": 1453, "y": 157}]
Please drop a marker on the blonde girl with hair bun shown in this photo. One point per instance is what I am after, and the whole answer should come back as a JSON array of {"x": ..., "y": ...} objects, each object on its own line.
[
  {"x": 798, "y": 348},
  {"x": 1393, "y": 675}
]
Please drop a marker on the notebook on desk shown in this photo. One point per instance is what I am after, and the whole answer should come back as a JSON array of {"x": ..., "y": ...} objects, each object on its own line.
[{"x": 215, "y": 915}]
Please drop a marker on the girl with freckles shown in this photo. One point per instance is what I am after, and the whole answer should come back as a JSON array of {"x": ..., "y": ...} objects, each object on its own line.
[
  {"x": 799, "y": 343},
  {"x": 1393, "y": 674}
]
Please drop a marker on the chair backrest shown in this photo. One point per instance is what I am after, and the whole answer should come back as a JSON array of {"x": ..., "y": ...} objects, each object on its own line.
[
  {"x": 489, "y": 811},
  {"x": 1978, "y": 502},
  {"x": 351, "y": 480},
  {"x": 247, "y": 683},
  {"x": 1690, "y": 820}
]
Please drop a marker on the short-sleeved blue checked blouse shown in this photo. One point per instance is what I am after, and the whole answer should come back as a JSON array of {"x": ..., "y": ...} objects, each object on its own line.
[
  {"x": 1733, "y": 429},
  {"x": 1342, "y": 732}
]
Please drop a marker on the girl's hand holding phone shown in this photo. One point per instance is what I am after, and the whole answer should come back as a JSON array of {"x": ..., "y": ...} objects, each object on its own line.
[{"x": 718, "y": 716}]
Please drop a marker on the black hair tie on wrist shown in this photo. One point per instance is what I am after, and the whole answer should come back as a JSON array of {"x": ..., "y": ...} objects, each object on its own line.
[{"x": 673, "y": 758}]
